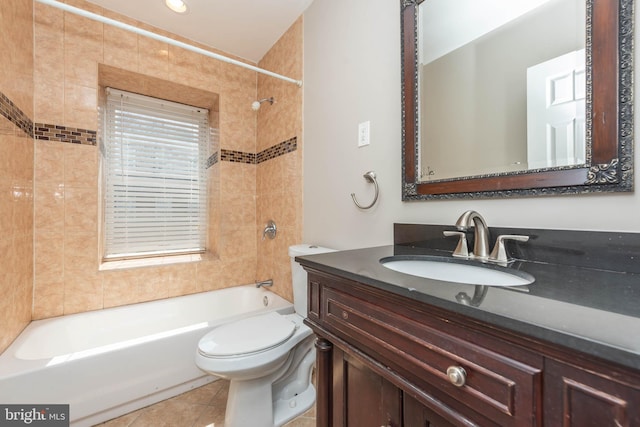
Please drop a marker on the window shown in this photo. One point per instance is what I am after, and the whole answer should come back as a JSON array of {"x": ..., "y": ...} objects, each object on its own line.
[{"x": 154, "y": 177}]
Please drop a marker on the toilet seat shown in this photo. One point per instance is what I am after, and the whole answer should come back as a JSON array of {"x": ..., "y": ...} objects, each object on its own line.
[{"x": 247, "y": 336}]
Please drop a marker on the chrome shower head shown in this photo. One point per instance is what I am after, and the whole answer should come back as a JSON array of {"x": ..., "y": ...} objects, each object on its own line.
[{"x": 255, "y": 106}]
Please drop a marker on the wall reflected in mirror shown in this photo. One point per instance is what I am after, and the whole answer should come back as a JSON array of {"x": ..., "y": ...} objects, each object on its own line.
[{"x": 502, "y": 86}]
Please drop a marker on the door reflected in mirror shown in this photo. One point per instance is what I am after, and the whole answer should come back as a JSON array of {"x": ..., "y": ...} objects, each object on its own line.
[{"x": 502, "y": 86}]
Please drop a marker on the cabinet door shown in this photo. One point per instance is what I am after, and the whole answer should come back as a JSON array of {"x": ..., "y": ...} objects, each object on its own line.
[
  {"x": 361, "y": 397},
  {"x": 502, "y": 383},
  {"x": 418, "y": 415},
  {"x": 575, "y": 397}
]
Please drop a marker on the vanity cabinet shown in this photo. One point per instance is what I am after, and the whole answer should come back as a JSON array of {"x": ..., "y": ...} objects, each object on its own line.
[
  {"x": 384, "y": 359},
  {"x": 581, "y": 397},
  {"x": 361, "y": 396},
  {"x": 442, "y": 371}
]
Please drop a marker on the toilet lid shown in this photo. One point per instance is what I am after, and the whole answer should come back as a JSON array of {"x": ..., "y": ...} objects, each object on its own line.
[{"x": 250, "y": 335}]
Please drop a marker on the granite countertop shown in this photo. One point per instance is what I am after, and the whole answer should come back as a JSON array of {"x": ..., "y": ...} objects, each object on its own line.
[{"x": 592, "y": 310}]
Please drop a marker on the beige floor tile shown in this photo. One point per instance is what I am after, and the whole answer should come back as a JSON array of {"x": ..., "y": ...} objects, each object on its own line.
[
  {"x": 170, "y": 413},
  {"x": 123, "y": 421},
  {"x": 204, "y": 395},
  {"x": 213, "y": 416},
  {"x": 200, "y": 407},
  {"x": 301, "y": 422}
]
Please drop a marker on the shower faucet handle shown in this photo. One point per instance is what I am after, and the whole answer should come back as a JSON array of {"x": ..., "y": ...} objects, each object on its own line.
[{"x": 270, "y": 230}]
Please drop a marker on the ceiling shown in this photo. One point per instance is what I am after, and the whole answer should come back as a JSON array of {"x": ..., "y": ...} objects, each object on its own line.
[{"x": 244, "y": 28}]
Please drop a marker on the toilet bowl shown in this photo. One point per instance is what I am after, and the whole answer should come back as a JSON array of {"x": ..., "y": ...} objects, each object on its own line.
[{"x": 268, "y": 359}]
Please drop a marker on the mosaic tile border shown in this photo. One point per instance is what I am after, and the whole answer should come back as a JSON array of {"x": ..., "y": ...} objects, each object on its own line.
[
  {"x": 277, "y": 150},
  {"x": 212, "y": 160},
  {"x": 288, "y": 146},
  {"x": 44, "y": 131},
  {"x": 15, "y": 115},
  {"x": 48, "y": 132},
  {"x": 237, "y": 157}
]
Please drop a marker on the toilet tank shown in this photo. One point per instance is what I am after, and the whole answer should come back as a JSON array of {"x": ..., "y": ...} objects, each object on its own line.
[{"x": 299, "y": 275}]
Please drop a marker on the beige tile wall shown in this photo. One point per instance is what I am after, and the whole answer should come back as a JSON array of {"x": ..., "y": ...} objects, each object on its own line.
[
  {"x": 279, "y": 180},
  {"x": 16, "y": 172},
  {"x": 67, "y": 52},
  {"x": 16, "y": 66}
]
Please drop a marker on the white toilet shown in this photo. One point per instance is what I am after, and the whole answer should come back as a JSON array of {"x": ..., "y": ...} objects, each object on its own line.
[{"x": 267, "y": 358}]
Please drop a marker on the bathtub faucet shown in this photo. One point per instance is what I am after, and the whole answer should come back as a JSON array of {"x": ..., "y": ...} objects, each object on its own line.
[{"x": 264, "y": 283}]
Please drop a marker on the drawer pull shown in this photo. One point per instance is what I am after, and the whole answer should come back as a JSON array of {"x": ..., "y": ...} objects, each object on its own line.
[
  {"x": 457, "y": 375},
  {"x": 345, "y": 315}
]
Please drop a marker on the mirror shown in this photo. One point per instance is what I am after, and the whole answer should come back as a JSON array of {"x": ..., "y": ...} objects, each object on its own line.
[{"x": 504, "y": 98}]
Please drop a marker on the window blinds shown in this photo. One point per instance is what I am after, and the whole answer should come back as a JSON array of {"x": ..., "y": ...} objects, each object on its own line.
[{"x": 154, "y": 176}]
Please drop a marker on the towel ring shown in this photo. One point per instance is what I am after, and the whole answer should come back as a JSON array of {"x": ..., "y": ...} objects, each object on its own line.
[{"x": 370, "y": 177}]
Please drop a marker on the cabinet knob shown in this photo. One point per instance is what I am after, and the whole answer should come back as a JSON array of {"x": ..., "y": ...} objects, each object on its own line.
[
  {"x": 457, "y": 375},
  {"x": 345, "y": 315}
]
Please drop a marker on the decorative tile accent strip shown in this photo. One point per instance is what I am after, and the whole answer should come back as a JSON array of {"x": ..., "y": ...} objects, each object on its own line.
[
  {"x": 277, "y": 150},
  {"x": 59, "y": 133},
  {"x": 212, "y": 160},
  {"x": 15, "y": 115},
  {"x": 237, "y": 157}
]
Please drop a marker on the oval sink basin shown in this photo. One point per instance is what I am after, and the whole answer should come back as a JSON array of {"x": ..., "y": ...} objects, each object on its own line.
[{"x": 452, "y": 270}]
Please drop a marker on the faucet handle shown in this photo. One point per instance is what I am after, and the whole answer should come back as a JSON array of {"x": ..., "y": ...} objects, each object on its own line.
[
  {"x": 462, "y": 250},
  {"x": 499, "y": 252}
]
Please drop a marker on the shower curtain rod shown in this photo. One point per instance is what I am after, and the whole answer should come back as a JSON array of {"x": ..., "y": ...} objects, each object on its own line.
[{"x": 164, "y": 39}]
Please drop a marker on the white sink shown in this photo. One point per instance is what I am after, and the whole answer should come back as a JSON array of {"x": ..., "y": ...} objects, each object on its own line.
[{"x": 451, "y": 270}]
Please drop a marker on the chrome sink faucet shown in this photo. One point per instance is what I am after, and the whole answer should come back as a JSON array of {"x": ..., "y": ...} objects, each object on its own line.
[
  {"x": 481, "y": 240},
  {"x": 480, "y": 234}
]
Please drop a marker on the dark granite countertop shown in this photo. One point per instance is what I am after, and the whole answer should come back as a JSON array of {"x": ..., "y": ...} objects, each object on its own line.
[{"x": 587, "y": 308}]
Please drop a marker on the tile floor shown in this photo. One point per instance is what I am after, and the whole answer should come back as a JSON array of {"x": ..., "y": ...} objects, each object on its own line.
[{"x": 200, "y": 407}]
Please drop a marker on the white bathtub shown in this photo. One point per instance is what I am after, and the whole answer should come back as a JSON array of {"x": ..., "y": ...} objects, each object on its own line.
[{"x": 109, "y": 362}]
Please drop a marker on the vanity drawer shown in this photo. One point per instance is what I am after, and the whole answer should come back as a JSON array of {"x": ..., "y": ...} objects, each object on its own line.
[{"x": 504, "y": 387}]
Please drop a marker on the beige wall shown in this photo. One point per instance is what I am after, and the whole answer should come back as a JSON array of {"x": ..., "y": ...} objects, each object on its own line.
[
  {"x": 16, "y": 169},
  {"x": 352, "y": 74},
  {"x": 68, "y": 50},
  {"x": 279, "y": 181}
]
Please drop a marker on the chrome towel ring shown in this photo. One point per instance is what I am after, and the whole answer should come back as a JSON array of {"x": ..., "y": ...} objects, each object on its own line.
[{"x": 370, "y": 177}]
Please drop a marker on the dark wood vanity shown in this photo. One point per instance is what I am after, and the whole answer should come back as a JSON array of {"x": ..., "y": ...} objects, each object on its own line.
[
  {"x": 388, "y": 355},
  {"x": 383, "y": 361}
]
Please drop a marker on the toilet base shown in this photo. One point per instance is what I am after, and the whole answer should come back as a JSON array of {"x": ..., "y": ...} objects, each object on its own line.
[
  {"x": 286, "y": 410},
  {"x": 248, "y": 406},
  {"x": 276, "y": 399}
]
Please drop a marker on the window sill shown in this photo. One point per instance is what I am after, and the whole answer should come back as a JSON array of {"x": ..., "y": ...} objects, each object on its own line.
[{"x": 149, "y": 262}]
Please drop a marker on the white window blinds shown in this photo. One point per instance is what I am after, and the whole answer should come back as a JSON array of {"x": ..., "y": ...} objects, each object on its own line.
[{"x": 154, "y": 176}]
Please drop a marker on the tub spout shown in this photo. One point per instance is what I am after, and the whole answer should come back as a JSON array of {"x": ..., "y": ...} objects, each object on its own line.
[{"x": 265, "y": 283}]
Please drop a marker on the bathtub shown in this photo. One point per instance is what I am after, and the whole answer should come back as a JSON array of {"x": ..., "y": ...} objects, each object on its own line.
[{"x": 109, "y": 362}]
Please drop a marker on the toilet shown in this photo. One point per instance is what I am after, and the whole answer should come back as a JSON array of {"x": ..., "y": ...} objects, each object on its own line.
[{"x": 268, "y": 359}]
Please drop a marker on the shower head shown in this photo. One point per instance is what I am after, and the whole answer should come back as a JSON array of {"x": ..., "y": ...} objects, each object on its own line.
[{"x": 255, "y": 106}]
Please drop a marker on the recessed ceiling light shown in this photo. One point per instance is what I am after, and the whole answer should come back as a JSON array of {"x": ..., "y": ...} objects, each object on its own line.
[{"x": 177, "y": 6}]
